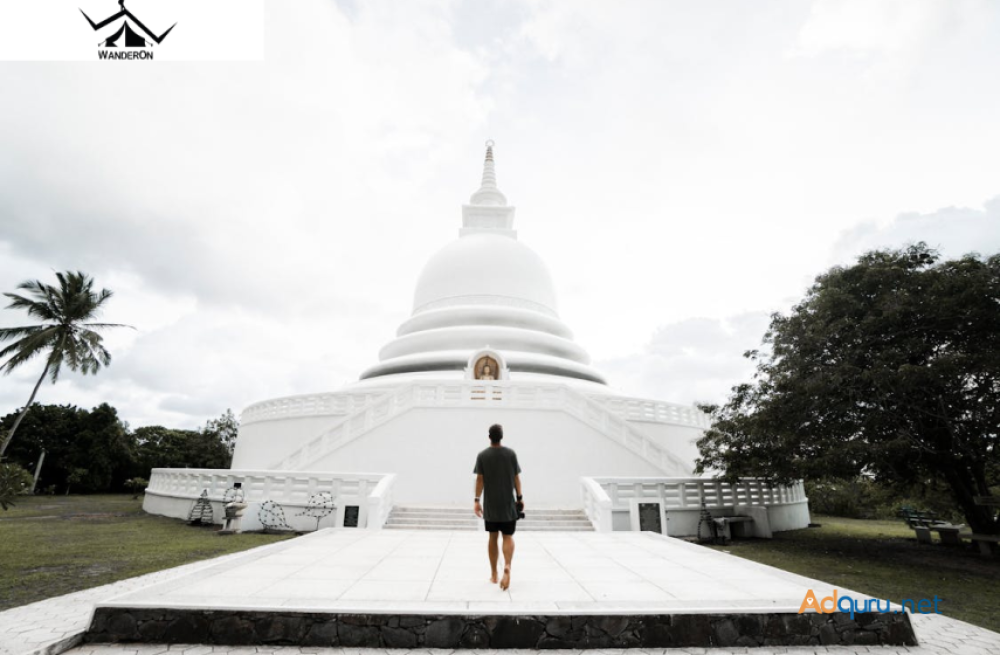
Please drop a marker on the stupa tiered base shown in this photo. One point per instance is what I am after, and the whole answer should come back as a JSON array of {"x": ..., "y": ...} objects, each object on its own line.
[{"x": 387, "y": 589}]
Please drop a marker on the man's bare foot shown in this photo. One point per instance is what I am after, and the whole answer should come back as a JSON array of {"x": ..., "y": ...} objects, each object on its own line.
[
  {"x": 505, "y": 580},
  {"x": 493, "y": 578}
]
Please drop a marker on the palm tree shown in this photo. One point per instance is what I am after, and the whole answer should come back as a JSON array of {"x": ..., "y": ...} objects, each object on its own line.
[{"x": 63, "y": 336}]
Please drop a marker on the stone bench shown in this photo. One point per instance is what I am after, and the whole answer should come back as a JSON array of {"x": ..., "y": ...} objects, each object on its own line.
[{"x": 947, "y": 531}]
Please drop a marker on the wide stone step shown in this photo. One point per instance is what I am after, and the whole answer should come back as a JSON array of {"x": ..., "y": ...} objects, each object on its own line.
[
  {"x": 442, "y": 522},
  {"x": 456, "y": 509},
  {"x": 537, "y": 516},
  {"x": 428, "y": 526},
  {"x": 461, "y": 518},
  {"x": 540, "y": 527},
  {"x": 531, "y": 516},
  {"x": 416, "y": 517},
  {"x": 521, "y": 525},
  {"x": 464, "y": 511}
]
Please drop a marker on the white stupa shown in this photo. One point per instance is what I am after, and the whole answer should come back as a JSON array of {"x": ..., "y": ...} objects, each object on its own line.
[
  {"x": 484, "y": 344},
  {"x": 484, "y": 307},
  {"x": 485, "y": 290}
]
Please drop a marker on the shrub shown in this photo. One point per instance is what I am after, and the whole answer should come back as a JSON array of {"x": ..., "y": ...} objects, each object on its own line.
[
  {"x": 863, "y": 498},
  {"x": 14, "y": 481},
  {"x": 136, "y": 486}
]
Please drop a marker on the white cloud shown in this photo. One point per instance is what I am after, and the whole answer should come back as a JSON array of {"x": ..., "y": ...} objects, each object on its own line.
[
  {"x": 697, "y": 360},
  {"x": 954, "y": 231},
  {"x": 865, "y": 28}
]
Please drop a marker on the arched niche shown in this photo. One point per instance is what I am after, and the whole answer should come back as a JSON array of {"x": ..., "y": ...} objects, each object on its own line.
[{"x": 487, "y": 366}]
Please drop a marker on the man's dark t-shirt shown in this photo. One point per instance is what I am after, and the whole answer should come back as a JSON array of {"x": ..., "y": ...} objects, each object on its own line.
[{"x": 498, "y": 467}]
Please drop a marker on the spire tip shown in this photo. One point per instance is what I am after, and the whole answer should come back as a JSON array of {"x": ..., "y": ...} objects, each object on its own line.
[{"x": 488, "y": 193}]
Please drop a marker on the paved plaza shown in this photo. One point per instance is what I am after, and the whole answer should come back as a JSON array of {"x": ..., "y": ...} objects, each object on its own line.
[
  {"x": 372, "y": 571},
  {"x": 447, "y": 572}
]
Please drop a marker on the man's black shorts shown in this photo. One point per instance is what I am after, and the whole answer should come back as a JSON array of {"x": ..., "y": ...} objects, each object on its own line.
[{"x": 506, "y": 527}]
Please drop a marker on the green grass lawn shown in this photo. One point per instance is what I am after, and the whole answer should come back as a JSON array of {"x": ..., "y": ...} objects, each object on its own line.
[
  {"x": 54, "y": 545},
  {"x": 884, "y": 560}
]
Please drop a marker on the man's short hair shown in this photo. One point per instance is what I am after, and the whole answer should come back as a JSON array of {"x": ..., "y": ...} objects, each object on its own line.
[{"x": 496, "y": 433}]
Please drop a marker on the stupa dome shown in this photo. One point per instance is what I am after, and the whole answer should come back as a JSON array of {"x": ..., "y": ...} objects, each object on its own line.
[
  {"x": 485, "y": 291},
  {"x": 485, "y": 269}
]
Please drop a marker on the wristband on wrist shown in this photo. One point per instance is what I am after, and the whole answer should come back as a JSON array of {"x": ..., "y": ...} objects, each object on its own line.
[
  {"x": 477, "y": 500},
  {"x": 520, "y": 497}
]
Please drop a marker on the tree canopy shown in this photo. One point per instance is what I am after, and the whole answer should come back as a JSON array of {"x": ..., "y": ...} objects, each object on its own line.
[
  {"x": 89, "y": 451},
  {"x": 888, "y": 368}
]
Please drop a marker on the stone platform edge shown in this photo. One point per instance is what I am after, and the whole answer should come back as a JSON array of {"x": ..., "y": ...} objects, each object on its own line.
[{"x": 277, "y": 628}]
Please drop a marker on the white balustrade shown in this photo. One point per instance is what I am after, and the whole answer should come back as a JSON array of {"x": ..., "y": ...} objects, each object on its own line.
[
  {"x": 634, "y": 409},
  {"x": 336, "y": 403},
  {"x": 380, "y": 502},
  {"x": 287, "y": 488},
  {"x": 597, "y": 505},
  {"x": 690, "y": 493},
  {"x": 342, "y": 403}
]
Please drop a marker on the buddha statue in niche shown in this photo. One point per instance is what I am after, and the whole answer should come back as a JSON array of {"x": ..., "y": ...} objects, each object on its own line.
[{"x": 487, "y": 369}]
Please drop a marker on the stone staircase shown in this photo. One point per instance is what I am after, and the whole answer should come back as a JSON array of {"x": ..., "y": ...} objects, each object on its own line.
[{"x": 462, "y": 518}]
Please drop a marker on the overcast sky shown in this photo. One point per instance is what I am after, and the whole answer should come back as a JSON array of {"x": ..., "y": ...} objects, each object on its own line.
[{"x": 685, "y": 168}]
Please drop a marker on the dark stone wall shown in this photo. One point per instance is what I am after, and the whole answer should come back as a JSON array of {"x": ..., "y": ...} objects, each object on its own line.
[{"x": 244, "y": 627}]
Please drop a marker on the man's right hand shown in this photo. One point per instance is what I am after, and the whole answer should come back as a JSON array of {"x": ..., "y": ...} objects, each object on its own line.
[{"x": 477, "y": 508}]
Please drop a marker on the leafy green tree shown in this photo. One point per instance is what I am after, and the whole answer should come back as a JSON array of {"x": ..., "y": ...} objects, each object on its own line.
[
  {"x": 105, "y": 448},
  {"x": 160, "y": 447},
  {"x": 889, "y": 368},
  {"x": 95, "y": 441},
  {"x": 67, "y": 336},
  {"x": 52, "y": 428},
  {"x": 225, "y": 429}
]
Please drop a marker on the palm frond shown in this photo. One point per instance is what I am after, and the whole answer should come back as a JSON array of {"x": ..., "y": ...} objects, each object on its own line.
[
  {"x": 13, "y": 332},
  {"x": 34, "y": 308},
  {"x": 22, "y": 351},
  {"x": 92, "y": 353},
  {"x": 30, "y": 345},
  {"x": 55, "y": 366},
  {"x": 101, "y": 326}
]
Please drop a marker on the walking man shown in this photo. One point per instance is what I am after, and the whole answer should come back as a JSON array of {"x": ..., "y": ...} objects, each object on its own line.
[{"x": 498, "y": 475}]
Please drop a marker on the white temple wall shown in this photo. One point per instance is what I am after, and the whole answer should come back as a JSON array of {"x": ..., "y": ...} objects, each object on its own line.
[
  {"x": 679, "y": 439},
  {"x": 433, "y": 451},
  {"x": 262, "y": 444}
]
